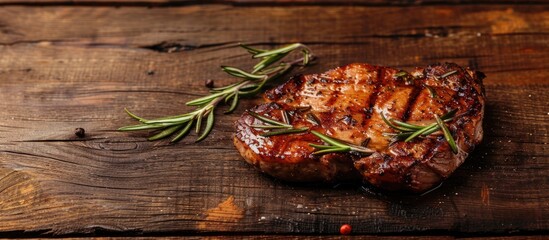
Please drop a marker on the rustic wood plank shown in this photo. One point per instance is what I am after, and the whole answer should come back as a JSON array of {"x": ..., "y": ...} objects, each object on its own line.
[
  {"x": 289, "y": 237},
  {"x": 56, "y": 77},
  {"x": 266, "y": 2},
  {"x": 508, "y": 43}
]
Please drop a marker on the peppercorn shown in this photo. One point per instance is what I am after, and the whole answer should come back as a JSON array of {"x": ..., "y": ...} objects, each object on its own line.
[
  {"x": 80, "y": 132},
  {"x": 209, "y": 83}
]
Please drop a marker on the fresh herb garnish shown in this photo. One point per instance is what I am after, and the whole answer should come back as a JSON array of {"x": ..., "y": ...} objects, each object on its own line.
[
  {"x": 448, "y": 74},
  {"x": 438, "y": 78},
  {"x": 312, "y": 119},
  {"x": 432, "y": 91},
  {"x": 286, "y": 127},
  {"x": 400, "y": 74},
  {"x": 336, "y": 145},
  {"x": 269, "y": 68},
  {"x": 447, "y": 134},
  {"x": 409, "y": 131}
]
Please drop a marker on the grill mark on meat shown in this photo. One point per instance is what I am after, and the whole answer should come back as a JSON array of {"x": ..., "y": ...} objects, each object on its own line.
[
  {"x": 411, "y": 102},
  {"x": 372, "y": 99},
  {"x": 333, "y": 98}
]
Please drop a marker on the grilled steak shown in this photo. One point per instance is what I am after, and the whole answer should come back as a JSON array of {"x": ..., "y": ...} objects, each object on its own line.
[{"x": 347, "y": 103}]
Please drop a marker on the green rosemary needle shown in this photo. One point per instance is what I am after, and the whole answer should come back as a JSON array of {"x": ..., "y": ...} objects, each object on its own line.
[
  {"x": 269, "y": 121},
  {"x": 336, "y": 145},
  {"x": 285, "y": 131},
  {"x": 270, "y": 67},
  {"x": 448, "y": 74},
  {"x": 432, "y": 91},
  {"x": 400, "y": 74},
  {"x": 447, "y": 134},
  {"x": 409, "y": 131},
  {"x": 312, "y": 119},
  {"x": 286, "y": 127}
]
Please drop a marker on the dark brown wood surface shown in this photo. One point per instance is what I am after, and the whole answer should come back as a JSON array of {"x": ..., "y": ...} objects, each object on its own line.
[{"x": 69, "y": 66}]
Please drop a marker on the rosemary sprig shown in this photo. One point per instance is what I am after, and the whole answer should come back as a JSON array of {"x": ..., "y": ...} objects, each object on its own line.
[
  {"x": 447, "y": 134},
  {"x": 432, "y": 91},
  {"x": 400, "y": 74},
  {"x": 409, "y": 131},
  {"x": 448, "y": 74},
  {"x": 312, "y": 119},
  {"x": 271, "y": 66},
  {"x": 286, "y": 127},
  {"x": 336, "y": 145},
  {"x": 438, "y": 78}
]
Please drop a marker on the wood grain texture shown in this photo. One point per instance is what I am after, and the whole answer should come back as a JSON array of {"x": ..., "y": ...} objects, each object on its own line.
[
  {"x": 267, "y": 2},
  {"x": 67, "y": 67},
  {"x": 296, "y": 237}
]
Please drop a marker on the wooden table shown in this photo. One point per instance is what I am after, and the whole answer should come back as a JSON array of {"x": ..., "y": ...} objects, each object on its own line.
[{"x": 68, "y": 64}]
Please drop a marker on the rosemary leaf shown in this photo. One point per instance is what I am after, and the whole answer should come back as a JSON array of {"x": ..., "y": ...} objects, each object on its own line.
[
  {"x": 406, "y": 125},
  {"x": 331, "y": 150},
  {"x": 401, "y": 136},
  {"x": 286, "y": 117},
  {"x": 198, "y": 122},
  {"x": 306, "y": 56},
  {"x": 134, "y": 116},
  {"x": 209, "y": 126},
  {"x": 448, "y": 74},
  {"x": 286, "y": 131},
  {"x": 241, "y": 73},
  {"x": 271, "y": 70},
  {"x": 267, "y": 61},
  {"x": 247, "y": 87},
  {"x": 312, "y": 119},
  {"x": 268, "y": 126},
  {"x": 416, "y": 133},
  {"x": 400, "y": 74},
  {"x": 361, "y": 149},
  {"x": 447, "y": 134},
  {"x": 174, "y": 119},
  {"x": 431, "y": 91},
  {"x": 328, "y": 139},
  {"x": 403, "y": 129},
  {"x": 233, "y": 104},
  {"x": 219, "y": 89},
  {"x": 183, "y": 132},
  {"x": 166, "y": 132},
  {"x": 337, "y": 145},
  {"x": 229, "y": 96},
  {"x": 449, "y": 114},
  {"x": 320, "y": 146},
  {"x": 205, "y": 99},
  {"x": 144, "y": 127},
  {"x": 252, "y": 50},
  {"x": 431, "y": 129},
  {"x": 268, "y": 120},
  {"x": 286, "y": 49}
]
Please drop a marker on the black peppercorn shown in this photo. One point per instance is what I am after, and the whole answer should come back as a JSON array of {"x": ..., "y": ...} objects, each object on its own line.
[
  {"x": 209, "y": 83},
  {"x": 80, "y": 132}
]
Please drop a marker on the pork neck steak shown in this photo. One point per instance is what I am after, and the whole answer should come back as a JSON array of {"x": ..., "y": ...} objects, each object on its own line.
[{"x": 347, "y": 103}]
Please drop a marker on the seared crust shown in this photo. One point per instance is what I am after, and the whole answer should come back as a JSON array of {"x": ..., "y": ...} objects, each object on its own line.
[{"x": 348, "y": 102}]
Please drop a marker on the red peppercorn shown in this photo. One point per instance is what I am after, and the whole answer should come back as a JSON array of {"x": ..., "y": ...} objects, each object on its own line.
[{"x": 345, "y": 229}]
